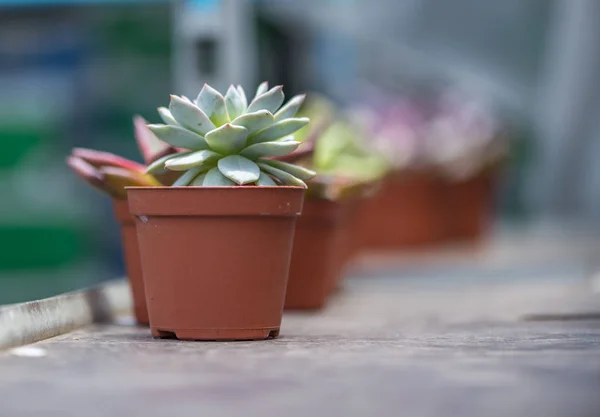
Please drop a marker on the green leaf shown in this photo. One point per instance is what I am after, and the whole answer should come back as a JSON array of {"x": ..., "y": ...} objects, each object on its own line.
[
  {"x": 279, "y": 148},
  {"x": 284, "y": 177},
  {"x": 242, "y": 94},
  {"x": 166, "y": 116},
  {"x": 158, "y": 166},
  {"x": 179, "y": 137},
  {"x": 262, "y": 88},
  {"x": 239, "y": 169},
  {"x": 271, "y": 100},
  {"x": 198, "y": 181},
  {"x": 290, "y": 108},
  {"x": 295, "y": 170},
  {"x": 213, "y": 104},
  {"x": 279, "y": 130},
  {"x": 186, "y": 162},
  {"x": 214, "y": 178},
  {"x": 288, "y": 138},
  {"x": 190, "y": 116},
  {"x": 254, "y": 121},
  {"x": 227, "y": 139},
  {"x": 265, "y": 180},
  {"x": 234, "y": 103},
  {"x": 189, "y": 175}
]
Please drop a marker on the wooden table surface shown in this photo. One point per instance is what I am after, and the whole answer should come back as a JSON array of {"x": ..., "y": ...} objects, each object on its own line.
[{"x": 444, "y": 336}]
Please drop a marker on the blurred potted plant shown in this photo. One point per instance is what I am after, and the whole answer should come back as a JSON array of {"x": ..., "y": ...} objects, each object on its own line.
[
  {"x": 440, "y": 186},
  {"x": 467, "y": 147},
  {"x": 323, "y": 239},
  {"x": 405, "y": 213},
  {"x": 110, "y": 174},
  {"x": 216, "y": 246}
]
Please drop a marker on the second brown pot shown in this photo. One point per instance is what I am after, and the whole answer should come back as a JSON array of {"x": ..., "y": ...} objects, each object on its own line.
[
  {"x": 131, "y": 256},
  {"x": 215, "y": 259},
  {"x": 315, "y": 257}
]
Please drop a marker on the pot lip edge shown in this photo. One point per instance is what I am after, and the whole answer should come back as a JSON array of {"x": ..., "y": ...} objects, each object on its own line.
[{"x": 184, "y": 187}]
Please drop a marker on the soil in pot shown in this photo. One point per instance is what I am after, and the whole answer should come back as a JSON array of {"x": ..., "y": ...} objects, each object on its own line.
[
  {"x": 468, "y": 207},
  {"x": 315, "y": 265},
  {"x": 406, "y": 213},
  {"x": 131, "y": 255},
  {"x": 215, "y": 259}
]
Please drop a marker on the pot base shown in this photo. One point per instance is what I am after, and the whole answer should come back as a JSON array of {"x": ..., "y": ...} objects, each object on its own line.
[{"x": 217, "y": 334}]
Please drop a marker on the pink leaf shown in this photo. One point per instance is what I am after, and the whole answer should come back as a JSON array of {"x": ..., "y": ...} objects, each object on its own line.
[{"x": 101, "y": 159}]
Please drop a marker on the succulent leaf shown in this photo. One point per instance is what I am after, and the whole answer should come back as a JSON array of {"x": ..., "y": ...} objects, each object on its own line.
[
  {"x": 290, "y": 108},
  {"x": 254, "y": 121},
  {"x": 158, "y": 166},
  {"x": 150, "y": 146},
  {"x": 234, "y": 103},
  {"x": 283, "y": 176},
  {"x": 262, "y": 88},
  {"x": 269, "y": 149},
  {"x": 119, "y": 178},
  {"x": 183, "y": 163},
  {"x": 278, "y": 130},
  {"x": 227, "y": 139},
  {"x": 295, "y": 170},
  {"x": 242, "y": 94},
  {"x": 99, "y": 159},
  {"x": 179, "y": 137},
  {"x": 188, "y": 115},
  {"x": 214, "y": 178},
  {"x": 271, "y": 100},
  {"x": 212, "y": 103},
  {"x": 87, "y": 171},
  {"x": 265, "y": 180},
  {"x": 166, "y": 116},
  {"x": 189, "y": 175},
  {"x": 198, "y": 181},
  {"x": 239, "y": 169}
]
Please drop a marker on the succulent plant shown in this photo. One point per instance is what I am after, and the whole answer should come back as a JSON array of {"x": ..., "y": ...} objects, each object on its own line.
[
  {"x": 229, "y": 141},
  {"x": 111, "y": 173},
  {"x": 341, "y": 151}
]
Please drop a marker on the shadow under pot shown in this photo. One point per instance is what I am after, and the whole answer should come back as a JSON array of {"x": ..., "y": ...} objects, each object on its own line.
[
  {"x": 215, "y": 259},
  {"x": 315, "y": 256},
  {"x": 131, "y": 256}
]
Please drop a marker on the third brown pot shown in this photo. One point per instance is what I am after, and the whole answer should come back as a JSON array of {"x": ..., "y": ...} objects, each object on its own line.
[
  {"x": 317, "y": 250},
  {"x": 131, "y": 257},
  {"x": 215, "y": 259}
]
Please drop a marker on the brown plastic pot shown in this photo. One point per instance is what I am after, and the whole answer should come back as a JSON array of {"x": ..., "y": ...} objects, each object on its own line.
[
  {"x": 351, "y": 240},
  {"x": 315, "y": 257},
  {"x": 406, "y": 213},
  {"x": 131, "y": 255},
  {"x": 468, "y": 207},
  {"x": 215, "y": 259}
]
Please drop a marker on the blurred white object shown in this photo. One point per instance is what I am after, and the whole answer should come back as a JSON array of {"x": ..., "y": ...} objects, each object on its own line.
[{"x": 29, "y": 352}]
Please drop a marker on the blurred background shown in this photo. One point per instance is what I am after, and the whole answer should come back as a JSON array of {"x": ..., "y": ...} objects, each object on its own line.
[{"x": 73, "y": 73}]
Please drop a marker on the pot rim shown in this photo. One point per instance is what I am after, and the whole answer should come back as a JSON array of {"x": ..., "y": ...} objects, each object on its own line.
[
  {"x": 200, "y": 187},
  {"x": 215, "y": 201}
]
